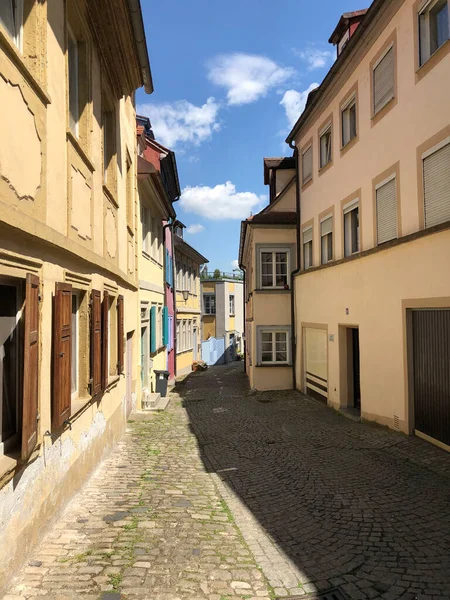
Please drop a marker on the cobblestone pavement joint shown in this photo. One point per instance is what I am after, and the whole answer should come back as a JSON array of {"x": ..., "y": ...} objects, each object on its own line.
[{"x": 231, "y": 495}]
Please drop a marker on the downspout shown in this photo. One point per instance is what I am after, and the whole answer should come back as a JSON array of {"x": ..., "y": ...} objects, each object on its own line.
[
  {"x": 297, "y": 270},
  {"x": 174, "y": 294},
  {"x": 245, "y": 328}
]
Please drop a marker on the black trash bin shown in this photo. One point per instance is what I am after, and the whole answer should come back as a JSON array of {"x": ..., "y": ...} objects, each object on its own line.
[{"x": 162, "y": 378}]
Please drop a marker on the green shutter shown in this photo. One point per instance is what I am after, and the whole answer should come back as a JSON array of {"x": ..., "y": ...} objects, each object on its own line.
[
  {"x": 153, "y": 329},
  {"x": 165, "y": 326}
]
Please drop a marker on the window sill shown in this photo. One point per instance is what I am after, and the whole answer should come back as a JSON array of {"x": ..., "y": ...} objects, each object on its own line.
[
  {"x": 149, "y": 257},
  {"x": 382, "y": 112},
  {"x": 184, "y": 351},
  {"x": 80, "y": 150},
  {"x": 112, "y": 382},
  {"x": 8, "y": 466},
  {"x": 274, "y": 366},
  {"x": 272, "y": 291},
  {"x": 325, "y": 168},
  {"x": 434, "y": 59},
  {"x": 349, "y": 145},
  {"x": 306, "y": 184},
  {"x": 78, "y": 404},
  {"x": 110, "y": 194}
]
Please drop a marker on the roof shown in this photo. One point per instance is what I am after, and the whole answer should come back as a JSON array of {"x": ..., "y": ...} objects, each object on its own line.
[
  {"x": 184, "y": 247},
  {"x": 282, "y": 162},
  {"x": 337, "y": 66},
  {"x": 344, "y": 22},
  {"x": 147, "y": 170},
  {"x": 270, "y": 218}
]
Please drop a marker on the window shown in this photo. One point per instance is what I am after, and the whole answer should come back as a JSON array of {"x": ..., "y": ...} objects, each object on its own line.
[
  {"x": 274, "y": 347},
  {"x": 433, "y": 28},
  {"x": 209, "y": 304},
  {"x": 436, "y": 180},
  {"x": 109, "y": 144},
  {"x": 231, "y": 299},
  {"x": 326, "y": 240},
  {"x": 144, "y": 356},
  {"x": 325, "y": 147},
  {"x": 73, "y": 66},
  {"x": 130, "y": 194},
  {"x": 384, "y": 81},
  {"x": 274, "y": 269},
  {"x": 351, "y": 229},
  {"x": 10, "y": 316},
  {"x": 11, "y": 17},
  {"x": 386, "y": 209},
  {"x": 348, "y": 116},
  {"x": 178, "y": 336},
  {"x": 307, "y": 247},
  {"x": 307, "y": 165},
  {"x": 146, "y": 230},
  {"x": 159, "y": 331}
]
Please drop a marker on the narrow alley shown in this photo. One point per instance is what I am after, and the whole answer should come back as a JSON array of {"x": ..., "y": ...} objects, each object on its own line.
[{"x": 233, "y": 494}]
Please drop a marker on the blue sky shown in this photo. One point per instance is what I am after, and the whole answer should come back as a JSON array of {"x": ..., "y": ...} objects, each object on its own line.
[{"x": 230, "y": 78}]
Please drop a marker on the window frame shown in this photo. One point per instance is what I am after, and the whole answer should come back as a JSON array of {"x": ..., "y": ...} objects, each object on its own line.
[
  {"x": 352, "y": 101},
  {"x": 390, "y": 47},
  {"x": 425, "y": 9},
  {"x": 232, "y": 306},
  {"x": 274, "y": 250},
  {"x": 391, "y": 177},
  {"x": 273, "y": 330},
  {"x": 209, "y": 296},
  {"x": 330, "y": 241},
  {"x": 443, "y": 143},
  {"x": 16, "y": 7},
  {"x": 348, "y": 209},
  {"x": 306, "y": 229},
  {"x": 328, "y": 129},
  {"x": 307, "y": 148},
  {"x": 71, "y": 37}
]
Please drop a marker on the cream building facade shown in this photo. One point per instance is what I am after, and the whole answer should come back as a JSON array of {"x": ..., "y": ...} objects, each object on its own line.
[
  {"x": 69, "y": 333},
  {"x": 268, "y": 256},
  {"x": 372, "y": 301},
  {"x": 188, "y": 302}
]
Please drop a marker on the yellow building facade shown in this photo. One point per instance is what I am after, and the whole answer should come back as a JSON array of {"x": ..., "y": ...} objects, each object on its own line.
[{"x": 68, "y": 280}]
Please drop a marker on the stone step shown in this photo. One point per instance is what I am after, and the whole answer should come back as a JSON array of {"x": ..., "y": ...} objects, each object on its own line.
[{"x": 154, "y": 402}]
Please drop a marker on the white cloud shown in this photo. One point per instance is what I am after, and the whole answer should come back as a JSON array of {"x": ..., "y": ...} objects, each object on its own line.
[
  {"x": 316, "y": 58},
  {"x": 235, "y": 264},
  {"x": 181, "y": 122},
  {"x": 193, "y": 229},
  {"x": 247, "y": 77},
  {"x": 219, "y": 202},
  {"x": 294, "y": 103}
]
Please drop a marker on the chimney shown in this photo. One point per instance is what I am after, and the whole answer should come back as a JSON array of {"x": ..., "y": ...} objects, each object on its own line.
[{"x": 346, "y": 27}]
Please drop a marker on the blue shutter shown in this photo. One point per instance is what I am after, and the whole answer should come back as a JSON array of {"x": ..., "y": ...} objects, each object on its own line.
[
  {"x": 153, "y": 329},
  {"x": 165, "y": 326}
]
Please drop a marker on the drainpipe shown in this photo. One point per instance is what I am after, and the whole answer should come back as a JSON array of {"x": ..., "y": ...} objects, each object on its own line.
[
  {"x": 243, "y": 316},
  {"x": 297, "y": 270},
  {"x": 169, "y": 225}
]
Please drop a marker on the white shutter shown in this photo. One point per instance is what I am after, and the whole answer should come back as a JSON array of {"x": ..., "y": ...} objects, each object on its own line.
[
  {"x": 436, "y": 180},
  {"x": 307, "y": 165},
  {"x": 326, "y": 226},
  {"x": 387, "y": 212},
  {"x": 383, "y": 81},
  {"x": 307, "y": 235}
]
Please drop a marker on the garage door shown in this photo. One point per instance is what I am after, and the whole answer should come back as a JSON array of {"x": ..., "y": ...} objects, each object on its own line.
[
  {"x": 431, "y": 339},
  {"x": 316, "y": 362}
]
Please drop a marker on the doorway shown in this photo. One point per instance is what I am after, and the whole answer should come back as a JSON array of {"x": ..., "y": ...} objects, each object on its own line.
[
  {"x": 129, "y": 374},
  {"x": 195, "y": 344},
  {"x": 356, "y": 369},
  {"x": 350, "y": 369}
]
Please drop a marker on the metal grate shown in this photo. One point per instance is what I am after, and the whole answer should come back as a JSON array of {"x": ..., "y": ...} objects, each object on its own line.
[{"x": 333, "y": 594}]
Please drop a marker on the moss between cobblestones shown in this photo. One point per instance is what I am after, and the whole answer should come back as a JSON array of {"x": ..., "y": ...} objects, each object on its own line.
[{"x": 115, "y": 580}]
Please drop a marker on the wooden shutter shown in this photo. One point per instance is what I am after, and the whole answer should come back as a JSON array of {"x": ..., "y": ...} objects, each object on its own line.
[
  {"x": 386, "y": 212},
  {"x": 96, "y": 343},
  {"x": 153, "y": 330},
  {"x": 30, "y": 366},
  {"x": 384, "y": 81},
  {"x": 105, "y": 341},
  {"x": 165, "y": 326},
  {"x": 120, "y": 334},
  {"x": 62, "y": 354},
  {"x": 307, "y": 165},
  {"x": 436, "y": 180}
]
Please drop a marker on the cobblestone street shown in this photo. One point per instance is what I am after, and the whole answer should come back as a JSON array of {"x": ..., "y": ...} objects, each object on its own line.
[{"x": 230, "y": 494}]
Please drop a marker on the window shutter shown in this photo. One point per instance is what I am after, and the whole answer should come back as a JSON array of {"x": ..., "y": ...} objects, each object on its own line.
[
  {"x": 326, "y": 226},
  {"x": 30, "y": 366},
  {"x": 96, "y": 343},
  {"x": 307, "y": 235},
  {"x": 120, "y": 336},
  {"x": 383, "y": 81},
  {"x": 307, "y": 164},
  {"x": 387, "y": 212},
  {"x": 165, "y": 326},
  {"x": 105, "y": 341},
  {"x": 153, "y": 329},
  {"x": 62, "y": 331},
  {"x": 436, "y": 180}
]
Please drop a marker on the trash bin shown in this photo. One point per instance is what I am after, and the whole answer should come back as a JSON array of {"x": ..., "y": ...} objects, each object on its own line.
[{"x": 162, "y": 378}]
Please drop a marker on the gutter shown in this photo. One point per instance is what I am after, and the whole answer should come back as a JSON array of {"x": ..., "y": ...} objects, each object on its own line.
[
  {"x": 296, "y": 271},
  {"x": 137, "y": 22}
]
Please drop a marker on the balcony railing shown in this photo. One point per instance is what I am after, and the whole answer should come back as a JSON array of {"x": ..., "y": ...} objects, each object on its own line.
[{"x": 218, "y": 275}]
